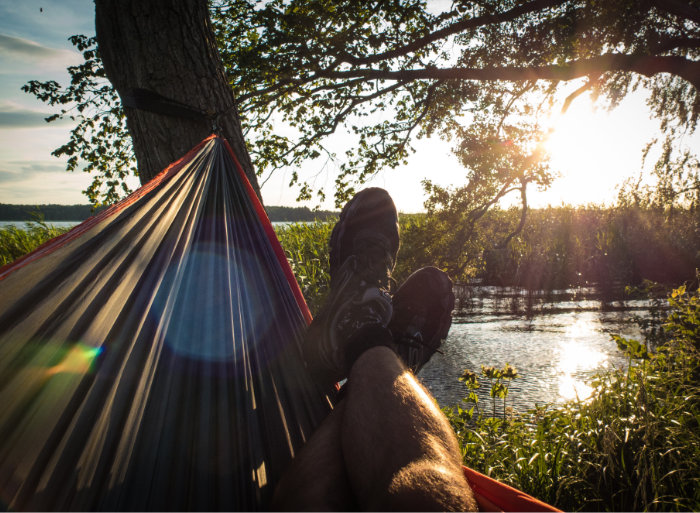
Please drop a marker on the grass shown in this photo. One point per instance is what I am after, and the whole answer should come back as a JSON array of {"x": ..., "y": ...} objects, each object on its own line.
[
  {"x": 633, "y": 446},
  {"x": 306, "y": 247},
  {"x": 16, "y": 242}
]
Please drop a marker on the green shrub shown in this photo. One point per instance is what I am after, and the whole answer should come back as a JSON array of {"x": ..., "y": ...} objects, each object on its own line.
[{"x": 635, "y": 445}]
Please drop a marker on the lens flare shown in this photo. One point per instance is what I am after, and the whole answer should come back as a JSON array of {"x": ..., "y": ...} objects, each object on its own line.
[{"x": 79, "y": 359}]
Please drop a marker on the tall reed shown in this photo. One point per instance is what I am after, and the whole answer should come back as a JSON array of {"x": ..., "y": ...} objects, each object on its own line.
[
  {"x": 306, "y": 247},
  {"x": 16, "y": 242}
]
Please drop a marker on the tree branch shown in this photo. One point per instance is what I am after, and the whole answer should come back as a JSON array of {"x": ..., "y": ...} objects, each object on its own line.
[
  {"x": 678, "y": 8},
  {"x": 513, "y": 98},
  {"x": 407, "y": 129},
  {"x": 646, "y": 65},
  {"x": 523, "y": 216},
  {"x": 578, "y": 93},
  {"x": 479, "y": 212},
  {"x": 460, "y": 26},
  {"x": 672, "y": 43},
  {"x": 332, "y": 124}
]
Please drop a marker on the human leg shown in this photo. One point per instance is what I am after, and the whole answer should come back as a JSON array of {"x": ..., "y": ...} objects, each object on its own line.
[
  {"x": 388, "y": 451},
  {"x": 419, "y": 466},
  {"x": 363, "y": 249},
  {"x": 399, "y": 449},
  {"x": 386, "y": 446},
  {"x": 396, "y": 447},
  {"x": 317, "y": 479}
]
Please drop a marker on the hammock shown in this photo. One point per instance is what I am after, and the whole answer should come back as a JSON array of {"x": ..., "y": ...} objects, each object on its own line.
[{"x": 150, "y": 357}]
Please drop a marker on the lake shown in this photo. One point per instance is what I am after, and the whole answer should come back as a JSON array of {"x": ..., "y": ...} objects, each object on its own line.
[
  {"x": 555, "y": 349},
  {"x": 57, "y": 224}
]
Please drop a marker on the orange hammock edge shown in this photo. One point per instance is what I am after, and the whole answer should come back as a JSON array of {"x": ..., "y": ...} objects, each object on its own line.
[{"x": 492, "y": 495}]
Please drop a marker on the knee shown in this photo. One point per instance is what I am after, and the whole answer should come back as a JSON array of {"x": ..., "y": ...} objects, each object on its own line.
[{"x": 426, "y": 486}]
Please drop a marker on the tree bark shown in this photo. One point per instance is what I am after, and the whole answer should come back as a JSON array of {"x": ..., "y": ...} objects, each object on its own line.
[{"x": 168, "y": 46}]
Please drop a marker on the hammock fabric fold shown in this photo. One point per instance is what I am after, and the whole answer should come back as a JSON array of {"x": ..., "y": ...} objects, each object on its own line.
[{"x": 150, "y": 358}]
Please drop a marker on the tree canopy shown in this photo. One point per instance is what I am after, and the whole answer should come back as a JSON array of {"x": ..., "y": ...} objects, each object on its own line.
[{"x": 485, "y": 75}]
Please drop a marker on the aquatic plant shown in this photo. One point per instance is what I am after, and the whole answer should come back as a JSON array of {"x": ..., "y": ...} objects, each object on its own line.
[{"x": 499, "y": 384}]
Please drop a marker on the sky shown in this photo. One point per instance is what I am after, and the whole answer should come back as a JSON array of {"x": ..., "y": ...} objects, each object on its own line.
[
  {"x": 34, "y": 45},
  {"x": 592, "y": 150}
]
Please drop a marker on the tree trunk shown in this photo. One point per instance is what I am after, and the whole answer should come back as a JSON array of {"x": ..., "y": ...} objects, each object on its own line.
[{"x": 168, "y": 46}]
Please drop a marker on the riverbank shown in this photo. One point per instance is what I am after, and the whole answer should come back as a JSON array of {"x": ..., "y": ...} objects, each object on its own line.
[{"x": 481, "y": 300}]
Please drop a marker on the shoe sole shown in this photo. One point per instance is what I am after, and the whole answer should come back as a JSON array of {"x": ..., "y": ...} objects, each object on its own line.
[
  {"x": 443, "y": 290},
  {"x": 320, "y": 344},
  {"x": 367, "y": 199}
]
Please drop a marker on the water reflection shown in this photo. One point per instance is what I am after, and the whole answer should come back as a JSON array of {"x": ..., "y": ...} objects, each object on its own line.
[
  {"x": 577, "y": 355},
  {"x": 555, "y": 354}
]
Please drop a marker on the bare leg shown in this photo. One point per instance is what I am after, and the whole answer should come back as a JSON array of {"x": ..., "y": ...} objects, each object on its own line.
[
  {"x": 387, "y": 446},
  {"x": 399, "y": 449},
  {"x": 317, "y": 480}
]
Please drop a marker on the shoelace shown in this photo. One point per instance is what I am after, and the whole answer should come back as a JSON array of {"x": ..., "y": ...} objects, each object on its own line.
[{"x": 363, "y": 315}]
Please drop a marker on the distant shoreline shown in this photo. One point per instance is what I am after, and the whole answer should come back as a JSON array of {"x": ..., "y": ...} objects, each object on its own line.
[
  {"x": 62, "y": 225},
  {"x": 77, "y": 213}
]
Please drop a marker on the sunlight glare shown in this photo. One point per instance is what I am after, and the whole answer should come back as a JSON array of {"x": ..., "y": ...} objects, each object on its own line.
[
  {"x": 576, "y": 355},
  {"x": 572, "y": 388},
  {"x": 593, "y": 151}
]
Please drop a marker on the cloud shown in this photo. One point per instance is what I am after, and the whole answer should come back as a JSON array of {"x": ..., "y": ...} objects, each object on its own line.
[
  {"x": 15, "y": 116},
  {"x": 27, "y": 48},
  {"x": 27, "y": 170},
  {"x": 28, "y": 51},
  {"x": 36, "y": 181},
  {"x": 10, "y": 176}
]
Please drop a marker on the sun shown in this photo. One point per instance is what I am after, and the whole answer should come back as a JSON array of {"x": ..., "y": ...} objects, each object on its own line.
[
  {"x": 592, "y": 151},
  {"x": 583, "y": 152}
]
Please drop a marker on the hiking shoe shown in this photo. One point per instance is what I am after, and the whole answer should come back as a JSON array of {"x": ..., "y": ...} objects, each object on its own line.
[
  {"x": 353, "y": 305},
  {"x": 368, "y": 229},
  {"x": 422, "y": 316},
  {"x": 363, "y": 248}
]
